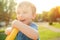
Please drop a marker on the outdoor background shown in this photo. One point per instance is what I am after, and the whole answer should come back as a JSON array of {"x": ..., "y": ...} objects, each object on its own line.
[{"x": 47, "y": 19}]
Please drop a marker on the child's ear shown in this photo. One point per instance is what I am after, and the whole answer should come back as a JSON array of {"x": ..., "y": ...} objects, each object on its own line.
[{"x": 34, "y": 15}]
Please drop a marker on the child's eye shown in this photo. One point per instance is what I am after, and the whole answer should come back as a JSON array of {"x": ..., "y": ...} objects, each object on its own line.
[
  {"x": 25, "y": 12},
  {"x": 18, "y": 13}
]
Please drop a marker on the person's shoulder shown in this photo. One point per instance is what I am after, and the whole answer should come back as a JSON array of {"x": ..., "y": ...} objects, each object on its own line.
[{"x": 34, "y": 25}]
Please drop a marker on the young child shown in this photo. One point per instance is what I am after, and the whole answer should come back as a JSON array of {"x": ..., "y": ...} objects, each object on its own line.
[{"x": 26, "y": 12}]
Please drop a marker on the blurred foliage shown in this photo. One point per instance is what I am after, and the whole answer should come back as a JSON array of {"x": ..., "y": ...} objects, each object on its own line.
[
  {"x": 7, "y": 8},
  {"x": 7, "y": 13},
  {"x": 50, "y": 16},
  {"x": 2, "y": 34}
]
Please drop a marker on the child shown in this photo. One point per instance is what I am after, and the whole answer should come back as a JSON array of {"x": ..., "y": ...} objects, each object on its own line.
[{"x": 27, "y": 29}]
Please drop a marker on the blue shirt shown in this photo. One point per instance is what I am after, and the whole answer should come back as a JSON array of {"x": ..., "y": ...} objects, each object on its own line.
[{"x": 21, "y": 36}]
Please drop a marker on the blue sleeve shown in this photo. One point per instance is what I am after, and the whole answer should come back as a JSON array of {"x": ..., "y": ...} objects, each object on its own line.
[{"x": 33, "y": 25}]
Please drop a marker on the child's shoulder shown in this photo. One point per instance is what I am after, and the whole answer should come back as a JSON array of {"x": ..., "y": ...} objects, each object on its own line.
[{"x": 34, "y": 25}]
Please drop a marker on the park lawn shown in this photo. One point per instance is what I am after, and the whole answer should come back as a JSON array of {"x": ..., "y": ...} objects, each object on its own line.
[
  {"x": 2, "y": 35},
  {"x": 56, "y": 25},
  {"x": 46, "y": 34}
]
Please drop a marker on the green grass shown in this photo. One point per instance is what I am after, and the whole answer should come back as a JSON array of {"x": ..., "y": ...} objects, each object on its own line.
[
  {"x": 56, "y": 25},
  {"x": 2, "y": 36},
  {"x": 46, "y": 34}
]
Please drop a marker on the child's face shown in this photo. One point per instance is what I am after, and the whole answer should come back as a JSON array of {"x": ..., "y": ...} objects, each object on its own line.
[{"x": 25, "y": 14}]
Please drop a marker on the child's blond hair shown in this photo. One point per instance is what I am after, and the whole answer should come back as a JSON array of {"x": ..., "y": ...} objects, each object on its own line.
[{"x": 28, "y": 4}]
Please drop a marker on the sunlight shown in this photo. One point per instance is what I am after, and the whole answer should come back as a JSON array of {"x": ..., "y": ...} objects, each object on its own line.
[{"x": 42, "y": 5}]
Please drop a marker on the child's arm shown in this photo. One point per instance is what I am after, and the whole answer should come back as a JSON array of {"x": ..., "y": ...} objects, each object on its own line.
[{"x": 27, "y": 30}]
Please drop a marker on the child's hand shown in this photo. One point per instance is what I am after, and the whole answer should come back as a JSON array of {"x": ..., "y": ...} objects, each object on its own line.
[
  {"x": 16, "y": 24},
  {"x": 8, "y": 30}
]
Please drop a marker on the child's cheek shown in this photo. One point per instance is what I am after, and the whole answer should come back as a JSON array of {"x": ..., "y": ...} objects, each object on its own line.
[{"x": 18, "y": 18}]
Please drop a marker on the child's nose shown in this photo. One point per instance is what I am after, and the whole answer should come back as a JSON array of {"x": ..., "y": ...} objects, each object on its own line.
[{"x": 21, "y": 15}]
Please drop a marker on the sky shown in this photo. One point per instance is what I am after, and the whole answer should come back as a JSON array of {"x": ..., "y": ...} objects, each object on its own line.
[{"x": 42, "y": 5}]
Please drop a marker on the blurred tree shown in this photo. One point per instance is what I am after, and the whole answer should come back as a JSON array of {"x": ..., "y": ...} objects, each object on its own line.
[
  {"x": 13, "y": 16},
  {"x": 54, "y": 14},
  {"x": 7, "y": 7},
  {"x": 58, "y": 17},
  {"x": 58, "y": 9},
  {"x": 45, "y": 16},
  {"x": 37, "y": 18}
]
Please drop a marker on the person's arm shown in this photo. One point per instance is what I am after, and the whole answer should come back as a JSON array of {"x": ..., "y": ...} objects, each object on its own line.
[{"x": 27, "y": 30}]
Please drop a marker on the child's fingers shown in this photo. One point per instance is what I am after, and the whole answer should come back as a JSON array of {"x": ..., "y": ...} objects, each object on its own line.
[
  {"x": 15, "y": 23},
  {"x": 8, "y": 30}
]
